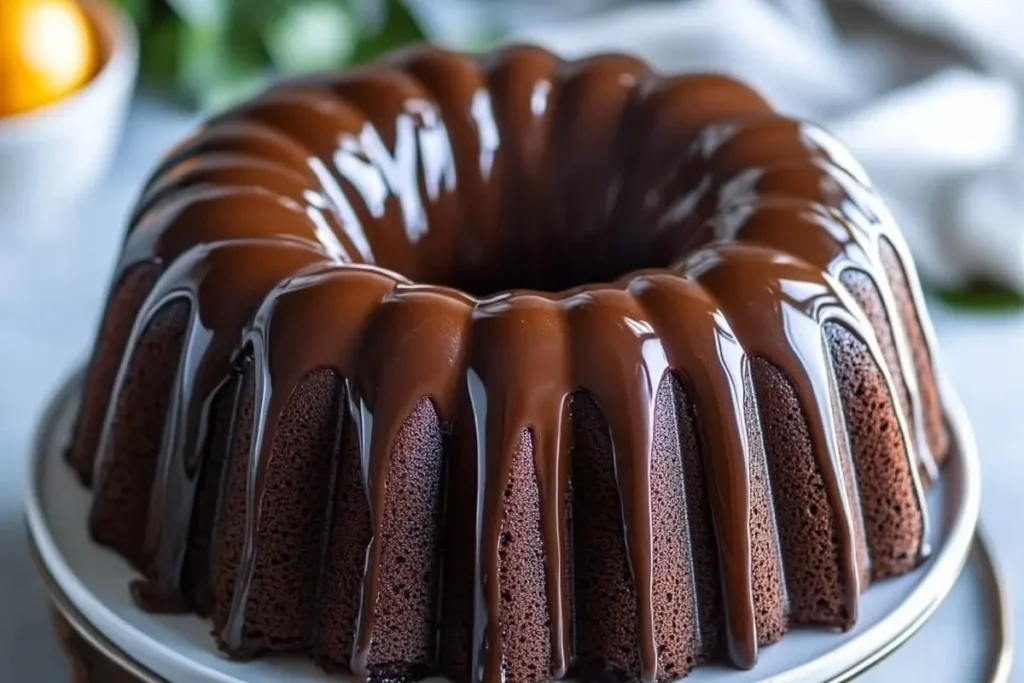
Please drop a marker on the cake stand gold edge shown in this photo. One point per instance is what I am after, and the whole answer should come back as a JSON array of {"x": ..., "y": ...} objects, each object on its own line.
[
  {"x": 83, "y": 628},
  {"x": 999, "y": 591},
  {"x": 999, "y": 666}
]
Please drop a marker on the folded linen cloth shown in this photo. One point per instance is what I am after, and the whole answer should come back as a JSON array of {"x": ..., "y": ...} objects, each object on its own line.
[{"x": 926, "y": 94}]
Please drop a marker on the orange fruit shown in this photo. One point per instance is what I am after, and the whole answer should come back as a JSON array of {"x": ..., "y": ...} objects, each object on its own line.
[{"x": 47, "y": 50}]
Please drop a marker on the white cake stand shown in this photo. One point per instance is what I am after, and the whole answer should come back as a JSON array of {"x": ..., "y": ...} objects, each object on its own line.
[{"x": 89, "y": 586}]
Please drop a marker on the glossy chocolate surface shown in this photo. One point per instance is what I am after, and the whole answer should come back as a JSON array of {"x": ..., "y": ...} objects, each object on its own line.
[{"x": 495, "y": 234}]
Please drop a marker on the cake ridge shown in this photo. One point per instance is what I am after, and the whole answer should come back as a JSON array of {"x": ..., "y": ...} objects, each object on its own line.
[
  {"x": 203, "y": 369},
  {"x": 723, "y": 405},
  {"x": 853, "y": 246},
  {"x": 755, "y": 243},
  {"x": 157, "y": 237},
  {"x": 246, "y": 138},
  {"x": 862, "y": 216},
  {"x": 800, "y": 357},
  {"x": 214, "y": 169},
  {"x": 853, "y": 192}
]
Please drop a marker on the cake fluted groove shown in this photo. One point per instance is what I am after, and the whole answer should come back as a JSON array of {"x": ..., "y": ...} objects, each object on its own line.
[
  {"x": 851, "y": 223},
  {"x": 499, "y": 418},
  {"x": 414, "y": 336},
  {"x": 593, "y": 95},
  {"x": 524, "y": 95},
  {"x": 336, "y": 136},
  {"x": 794, "y": 343},
  {"x": 661, "y": 123},
  {"x": 207, "y": 278},
  {"x": 712, "y": 362},
  {"x": 737, "y": 158},
  {"x": 459, "y": 89},
  {"x": 230, "y": 137},
  {"x": 128, "y": 290},
  {"x": 620, "y": 361},
  {"x": 225, "y": 168},
  {"x": 821, "y": 236},
  {"x": 221, "y": 173},
  {"x": 271, "y": 395},
  {"x": 205, "y": 215},
  {"x": 383, "y": 164}
]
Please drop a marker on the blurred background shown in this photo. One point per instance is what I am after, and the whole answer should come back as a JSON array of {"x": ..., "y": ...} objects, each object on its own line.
[{"x": 927, "y": 94}]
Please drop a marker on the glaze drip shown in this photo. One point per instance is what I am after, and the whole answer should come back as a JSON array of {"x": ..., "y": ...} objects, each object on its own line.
[{"x": 498, "y": 236}]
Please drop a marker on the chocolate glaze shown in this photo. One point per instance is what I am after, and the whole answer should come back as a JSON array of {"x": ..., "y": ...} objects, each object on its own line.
[{"x": 299, "y": 226}]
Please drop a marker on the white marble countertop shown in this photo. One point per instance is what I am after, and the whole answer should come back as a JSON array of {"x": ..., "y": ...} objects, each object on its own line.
[{"x": 51, "y": 287}]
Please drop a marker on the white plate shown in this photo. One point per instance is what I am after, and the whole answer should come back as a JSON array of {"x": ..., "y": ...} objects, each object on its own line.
[{"x": 179, "y": 647}]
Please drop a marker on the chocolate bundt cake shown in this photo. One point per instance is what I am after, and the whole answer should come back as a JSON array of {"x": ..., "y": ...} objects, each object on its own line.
[{"x": 507, "y": 369}]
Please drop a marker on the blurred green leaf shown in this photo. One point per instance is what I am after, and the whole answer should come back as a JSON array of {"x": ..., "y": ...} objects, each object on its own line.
[
  {"x": 203, "y": 55},
  {"x": 201, "y": 13},
  {"x": 139, "y": 10},
  {"x": 311, "y": 36},
  {"x": 159, "y": 52},
  {"x": 215, "y": 68},
  {"x": 398, "y": 28},
  {"x": 211, "y": 51},
  {"x": 983, "y": 296},
  {"x": 485, "y": 39},
  {"x": 234, "y": 88}
]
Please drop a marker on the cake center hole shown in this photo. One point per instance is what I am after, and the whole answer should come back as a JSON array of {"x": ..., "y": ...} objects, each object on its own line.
[
  {"x": 549, "y": 263},
  {"x": 531, "y": 227}
]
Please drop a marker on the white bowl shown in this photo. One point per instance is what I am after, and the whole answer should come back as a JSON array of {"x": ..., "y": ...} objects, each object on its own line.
[{"x": 52, "y": 155}]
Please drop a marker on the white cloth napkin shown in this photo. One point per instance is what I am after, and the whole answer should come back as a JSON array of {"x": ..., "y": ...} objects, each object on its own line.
[{"x": 925, "y": 93}]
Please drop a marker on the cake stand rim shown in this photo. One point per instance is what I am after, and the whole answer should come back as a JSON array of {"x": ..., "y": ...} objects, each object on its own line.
[{"x": 839, "y": 664}]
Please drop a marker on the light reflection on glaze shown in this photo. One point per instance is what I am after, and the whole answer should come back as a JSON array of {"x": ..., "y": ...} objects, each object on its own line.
[
  {"x": 340, "y": 203},
  {"x": 751, "y": 216},
  {"x": 490, "y": 137}
]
